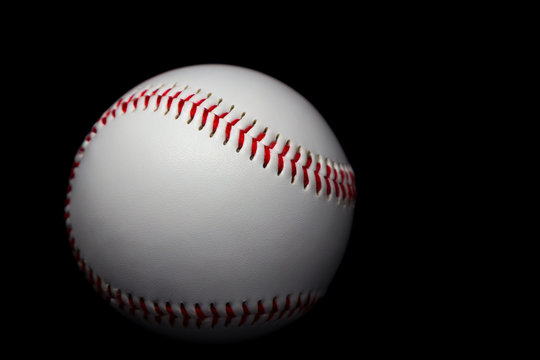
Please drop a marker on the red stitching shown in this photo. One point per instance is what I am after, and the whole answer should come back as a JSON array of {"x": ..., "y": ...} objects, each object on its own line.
[
  {"x": 241, "y": 136},
  {"x": 172, "y": 315},
  {"x": 260, "y": 312},
  {"x": 274, "y": 310},
  {"x": 215, "y": 315},
  {"x": 245, "y": 314},
  {"x": 254, "y": 143},
  {"x": 132, "y": 305},
  {"x": 185, "y": 315},
  {"x": 343, "y": 185},
  {"x": 142, "y": 306},
  {"x": 200, "y": 315},
  {"x": 230, "y": 314}
]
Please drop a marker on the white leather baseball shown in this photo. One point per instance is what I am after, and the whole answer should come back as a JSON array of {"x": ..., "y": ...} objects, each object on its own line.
[{"x": 210, "y": 202}]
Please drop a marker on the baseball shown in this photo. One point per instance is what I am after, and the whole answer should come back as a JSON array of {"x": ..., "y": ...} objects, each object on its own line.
[{"x": 210, "y": 203}]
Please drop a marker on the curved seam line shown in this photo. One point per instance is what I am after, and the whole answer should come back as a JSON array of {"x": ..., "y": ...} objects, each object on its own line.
[{"x": 341, "y": 176}]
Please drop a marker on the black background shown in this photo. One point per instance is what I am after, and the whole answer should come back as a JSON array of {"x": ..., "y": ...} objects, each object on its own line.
[{"x": 349, "y": 77}]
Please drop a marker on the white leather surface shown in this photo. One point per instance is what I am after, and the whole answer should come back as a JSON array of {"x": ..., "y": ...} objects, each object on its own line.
[{"x": 163, "y": 211}]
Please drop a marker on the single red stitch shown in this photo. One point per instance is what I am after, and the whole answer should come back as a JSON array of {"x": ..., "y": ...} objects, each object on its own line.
[
  {"x": 211, "y": 108},
  {"x": 215, "y": 124},
  {"x": 327, "y": 180},
  {"x": 343, "y": 191},
  {"x": 157, "y": 309},
  {"x": 293, "y": 170},
  {"x": 274, "y": 310},
  {"x": 309, "y": 160},
  {"x": 306, "y": 177},
  {"x": 254, "y": 142},
  {"x": 160, "y": 313},
  {"x": 266, "y": 156},
  {"x": 285, "y": 149},
  {"x": 169, "y": 102},
  {"x": 200, "y": 315},
  {"x": 119, "y": 298},
  {"x": 228, "y": 129},
  {"x": 298, "y": 305},
  {"x": 155, "y": 91},
  {"x": 293, "y": 163},
  {"x": 280, "y": 164},
  {"x": 104, "y": 122},
  {"x": 180, "y": 106},
  {"x": 158, "y": 101},
  {"x": 72, "y": 243},
  {"x": 166, "y": 92},
  {"x": 130, "y": 98},
  {"x": 131, "y": 304},
  {"x": 318, "y": 184},
  {"x": 189, "y": 97},
  {"x": 245, "y": 314},
  {"x": 142, "y": 304},
  {"x": 185, "y": 315},
  {"x": 172, "y": 315},
  {"x": 241, "y": 136},
  {"x": 336, "y": 187},
  {"x": 260, "y": 311},
  {"x": 94, "y": 129},
  {"x": 109, "y": 292},
  {"x": 204, "y": 117},
  {"x": 66, "y": 215},
  {"x": 198, "y": 103},
  {"x": 176, "y": 95},
  {"x": 119, "y": 102},
  {"x": 240, "y": 140},
  {"x": 113, "y": 113},
  {"x": 230, "y": 314},
  {"x": 215, "y": 315},
  {"x": 146, "y": 101},
  {"x": 286, "y": 307},
  {"x": 253, "y": 148},
  {"x": 88, "y": 138},
  {"x": 193, "y": 111}
]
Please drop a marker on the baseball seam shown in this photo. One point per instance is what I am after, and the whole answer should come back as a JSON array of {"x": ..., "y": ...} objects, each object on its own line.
[
  {"x": 250, "y": 313},
  {"x": 334, "y": 179}
]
